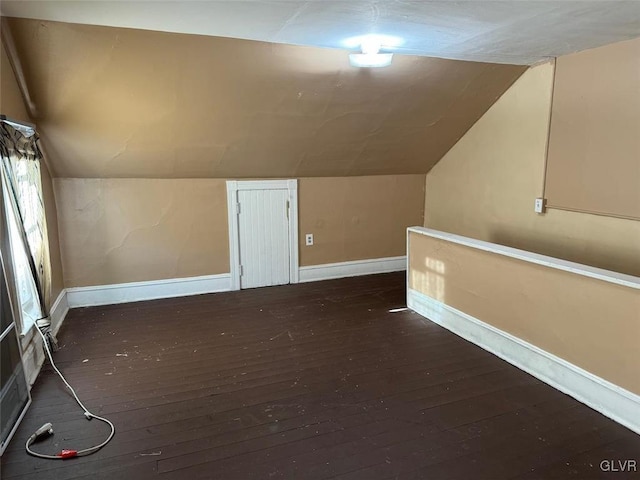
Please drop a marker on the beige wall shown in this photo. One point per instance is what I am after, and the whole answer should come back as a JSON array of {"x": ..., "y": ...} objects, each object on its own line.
[
  {"x": 51, "y": 212},
  {"x": 355, "y": 218},
  {"x": 128, "y": 230},
  {"x": 12, "y": 105},
  {"x": 594, "y": 143},
  {"x": 485, "y": 187},
  {"x": 127, "y": 103},
  {"x": 588, "y": 322}
]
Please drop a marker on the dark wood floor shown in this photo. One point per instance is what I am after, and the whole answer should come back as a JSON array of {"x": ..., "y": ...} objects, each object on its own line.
[{"x": 307, "y": 381}]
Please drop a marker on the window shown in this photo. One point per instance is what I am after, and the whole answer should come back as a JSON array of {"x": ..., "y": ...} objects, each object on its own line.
[
  {"x": 26, "y": 222},
  {"x": 26, "y": 289}
]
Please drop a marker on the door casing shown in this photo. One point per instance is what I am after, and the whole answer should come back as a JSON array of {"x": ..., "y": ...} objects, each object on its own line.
[{"x": 233, "y": 186}]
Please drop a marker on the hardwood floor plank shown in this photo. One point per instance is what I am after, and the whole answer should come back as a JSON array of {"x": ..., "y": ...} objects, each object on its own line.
[{"x": 312, "y": 381}]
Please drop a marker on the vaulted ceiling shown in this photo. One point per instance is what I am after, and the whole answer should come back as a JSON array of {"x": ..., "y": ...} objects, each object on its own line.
[
  {"x": 505, "y": 31},
  {"x": 114, "y": 102},
  {"x": 245, "y": 89}
]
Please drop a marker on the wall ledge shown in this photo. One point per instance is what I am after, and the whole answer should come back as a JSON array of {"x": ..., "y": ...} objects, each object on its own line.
[
  {"x": 328, "y": 271},
  {"x": 577, "y": 268},
  {"x": 607, "y": 398},
  {"x": 149, "y": 290}
]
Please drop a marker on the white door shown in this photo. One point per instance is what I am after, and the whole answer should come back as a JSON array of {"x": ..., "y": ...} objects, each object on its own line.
[{"x": 266, "y": 243}]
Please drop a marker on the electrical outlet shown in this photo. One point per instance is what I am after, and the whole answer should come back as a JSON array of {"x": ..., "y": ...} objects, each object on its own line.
[
  {"x": 539, "y": 205},
  {"x": 308, "y": 239}
]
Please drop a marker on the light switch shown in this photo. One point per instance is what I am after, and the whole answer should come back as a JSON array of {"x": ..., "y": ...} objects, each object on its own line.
[
  {"x": 308, "y": 239},
  {"x": 539, "y": 205}
]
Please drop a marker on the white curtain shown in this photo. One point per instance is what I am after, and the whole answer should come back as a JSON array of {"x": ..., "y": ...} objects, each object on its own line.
[{"x": 24, "y": 205}]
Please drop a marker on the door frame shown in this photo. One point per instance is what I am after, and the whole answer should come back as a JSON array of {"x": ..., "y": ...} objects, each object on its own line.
[{"x": 233, "y": 186}]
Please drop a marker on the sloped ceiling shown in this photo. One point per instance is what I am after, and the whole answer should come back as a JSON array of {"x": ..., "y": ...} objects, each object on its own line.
[
  {"x": 115, "y": 102},
  {"x": 509, "y": 31}
]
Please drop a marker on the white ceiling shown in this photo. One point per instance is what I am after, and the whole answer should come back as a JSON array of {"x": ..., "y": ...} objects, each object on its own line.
[{"x": 519, "y": 32}]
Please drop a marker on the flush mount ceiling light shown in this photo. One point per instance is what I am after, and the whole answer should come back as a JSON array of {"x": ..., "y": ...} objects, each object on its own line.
[
  {"x": 370, "y": 60},
  {"x": 370, "y": 46}
]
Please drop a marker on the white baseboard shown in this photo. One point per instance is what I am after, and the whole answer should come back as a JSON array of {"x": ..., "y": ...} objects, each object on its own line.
[
  {"x": 355, "y": 268},
  {"x": 180, "y": 287},
  {"x": 605, "y": 397},
  {"x": 151, "y": 290},
  {"x": 58, "y": 312}
]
